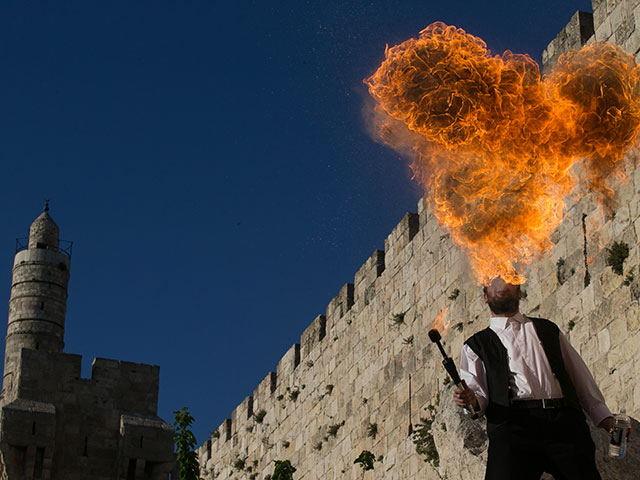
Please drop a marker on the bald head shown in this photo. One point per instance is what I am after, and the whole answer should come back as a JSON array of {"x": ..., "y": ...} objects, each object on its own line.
[{"x": 503, "y": 298}]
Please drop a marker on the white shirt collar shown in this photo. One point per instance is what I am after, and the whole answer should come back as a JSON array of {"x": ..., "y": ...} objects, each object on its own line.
[{"x": 501, "y": 322}]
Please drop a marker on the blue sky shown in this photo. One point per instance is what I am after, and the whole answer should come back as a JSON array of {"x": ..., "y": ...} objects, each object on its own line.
[{"x": 210, "y": 163}]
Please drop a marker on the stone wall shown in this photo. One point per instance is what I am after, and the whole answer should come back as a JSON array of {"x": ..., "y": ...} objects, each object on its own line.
[
  {"x": 62, "y": 426},
  {"x": 367, "y": 363}
]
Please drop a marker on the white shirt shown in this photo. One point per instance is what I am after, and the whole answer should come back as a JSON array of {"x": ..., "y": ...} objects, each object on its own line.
[{"x": 530, "y": 375}]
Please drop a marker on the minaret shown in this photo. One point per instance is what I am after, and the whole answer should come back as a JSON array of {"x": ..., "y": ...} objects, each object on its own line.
[{"x": 38, "y": 302}]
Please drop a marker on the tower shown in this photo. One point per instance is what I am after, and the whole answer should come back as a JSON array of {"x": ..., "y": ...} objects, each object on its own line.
[
  {"x": 54, "y": 424},
  {"x": 38, "y": 301}
]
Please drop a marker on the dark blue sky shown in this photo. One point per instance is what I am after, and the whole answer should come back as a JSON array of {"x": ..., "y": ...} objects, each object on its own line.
[{"x": 210, "y": 163}]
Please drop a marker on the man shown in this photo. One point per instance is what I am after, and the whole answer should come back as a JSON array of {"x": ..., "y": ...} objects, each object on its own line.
[{"x": 532, "y": 385}]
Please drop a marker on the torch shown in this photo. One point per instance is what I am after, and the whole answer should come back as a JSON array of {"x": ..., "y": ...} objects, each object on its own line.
[{"x": 449, "y": 366}]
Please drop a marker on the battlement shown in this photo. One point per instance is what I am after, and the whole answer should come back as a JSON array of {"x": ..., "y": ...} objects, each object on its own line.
[
  {"x": 134, "y": 385},
  {"x": 318, "y": 340},
  {"x": 313, "y": 342}
]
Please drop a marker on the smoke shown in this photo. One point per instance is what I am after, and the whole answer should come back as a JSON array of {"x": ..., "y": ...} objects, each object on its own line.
[{"x": 493, "y": 144}]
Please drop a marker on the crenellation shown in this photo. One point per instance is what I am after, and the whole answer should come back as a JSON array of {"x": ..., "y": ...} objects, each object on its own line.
[
  {"x": 288, "y": 363},
  {"x": 239, "y": 418},
  {"x": 575, "y": 34},
  {"x": 313, "y": 335},
  {"x": 365, "y": 279},
  {"x": 398, "y": 239},
  {"x": 338, "y": 306},
  {"x": 264, "y": 391}
]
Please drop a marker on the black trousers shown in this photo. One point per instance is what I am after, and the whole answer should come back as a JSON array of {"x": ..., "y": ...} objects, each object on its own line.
[{"x": 524, "y": 443}]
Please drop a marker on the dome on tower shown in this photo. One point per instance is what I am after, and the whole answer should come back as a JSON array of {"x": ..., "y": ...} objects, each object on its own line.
[{"x": 43, "y": 232}]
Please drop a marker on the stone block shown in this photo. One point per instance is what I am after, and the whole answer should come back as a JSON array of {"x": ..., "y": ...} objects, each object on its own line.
[
  {"x": 604, "y": 341},
  {"x": 611, "y": 281}
]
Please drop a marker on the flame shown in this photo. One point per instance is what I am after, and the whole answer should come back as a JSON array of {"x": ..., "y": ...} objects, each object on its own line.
[
  {"x": 442, "y": 322},
  {"x": 493, "y": 144}
]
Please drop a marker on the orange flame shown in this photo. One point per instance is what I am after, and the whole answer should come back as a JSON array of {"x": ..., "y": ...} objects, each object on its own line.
[
  {"x": 442, "y": 322},
  {"x": 493, "y": 144}
]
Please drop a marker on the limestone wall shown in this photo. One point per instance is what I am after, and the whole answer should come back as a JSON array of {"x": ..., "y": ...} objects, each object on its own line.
[
  {"x": 62, "y": 426},
  {"x": 355, "y": 365}
]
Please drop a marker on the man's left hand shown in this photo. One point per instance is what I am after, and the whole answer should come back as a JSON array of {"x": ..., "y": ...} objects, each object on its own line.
[{"x": 609, "y": 423}]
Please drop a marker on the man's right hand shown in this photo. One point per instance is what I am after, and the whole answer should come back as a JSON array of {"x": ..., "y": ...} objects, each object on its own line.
[{"x": 465, "y": 397}]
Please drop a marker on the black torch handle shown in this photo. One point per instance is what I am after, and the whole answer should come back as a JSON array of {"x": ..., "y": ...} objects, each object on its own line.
[{"x": 451, "y": 369}]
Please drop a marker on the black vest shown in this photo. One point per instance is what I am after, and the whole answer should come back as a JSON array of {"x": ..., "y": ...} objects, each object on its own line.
[{"x": 487, "y": 345}]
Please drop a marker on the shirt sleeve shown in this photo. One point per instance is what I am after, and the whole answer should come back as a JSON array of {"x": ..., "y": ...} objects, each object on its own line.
[
  {"x": 473, "y": 373},
  {"x": 591, "y": 399}
]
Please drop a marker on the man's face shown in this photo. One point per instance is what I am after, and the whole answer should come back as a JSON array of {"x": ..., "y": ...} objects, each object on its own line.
[{"x": 503, "y": 298}]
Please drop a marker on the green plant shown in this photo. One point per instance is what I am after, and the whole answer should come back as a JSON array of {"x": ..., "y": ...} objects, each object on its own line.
[
  {"x": 185, "y": 441},
  {"x": 454, "y": 294},
  {"x": 285, "y": 444},
  {"x": 309, "y": 363},
  {"x": 628, "y": 279},
  {"x": 424, "y": 442},
  {"x": 408, "y": 340},
  {"x": 259, "y": 416},
  {"x": 365, "y": 459},
  {"x": 397, "y": 319},
  {"x": 283, "y": 470},
  {"x": 215, "y": 434},
  {"x": 380, "y": 458},
  {"x": 570, "y": 325},
  {"x": 333, "y": 429},
  {"x": 561, "y": 271},
  {"x": 446, "y": 381},
  {"x": 239, "y": 463},
  {"x": 293, "y": 394},
  {"x": 617, "y": 254},
  {"x": 372, "y": 430},
  {"x": 280, "y": 397}
]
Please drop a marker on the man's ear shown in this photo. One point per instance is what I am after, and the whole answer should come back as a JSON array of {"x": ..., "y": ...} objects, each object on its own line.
[{"x": 486, "y": 299}]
